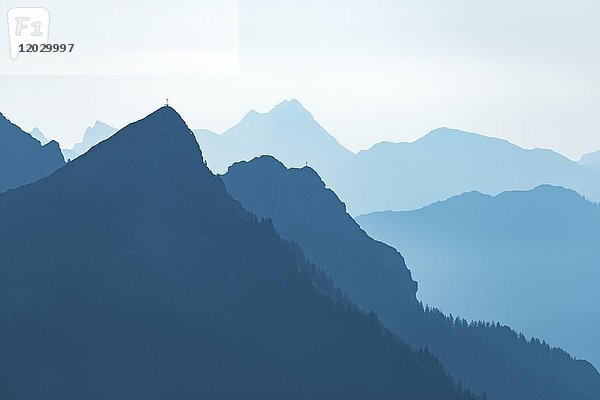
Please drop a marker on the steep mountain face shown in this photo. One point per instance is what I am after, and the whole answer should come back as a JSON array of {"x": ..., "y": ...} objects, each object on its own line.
[
  {"x": 488, "y": 357},
  {"x": 170, "y": 289},
  {"x": 529, "y": 259},
  {"x": 370, "y": 273},
  {"x": 288, "y": 132},
  {"x": 23, "y": 159},
  {"x": 91, "y": 137},
  {"x": 395, "y": 176},
  {"x": 591, "y": 160}
]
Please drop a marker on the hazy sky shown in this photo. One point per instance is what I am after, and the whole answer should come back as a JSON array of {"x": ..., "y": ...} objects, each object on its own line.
[{"x": 527, "y": 71}]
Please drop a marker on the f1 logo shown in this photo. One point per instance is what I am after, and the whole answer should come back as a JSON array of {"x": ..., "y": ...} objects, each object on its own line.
[{"x": 27, "y": 26}]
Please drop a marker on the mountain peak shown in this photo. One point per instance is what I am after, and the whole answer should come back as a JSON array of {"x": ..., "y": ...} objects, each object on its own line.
[
  {"x": 287, "y": 109},
  {"x": 99, "y": 124},
  {"x": 445, "y": 132},
  {"x": 546, "y": 195},
  {"x": 154, "y": 157},
  {"x": 267, "y": 165},
  {"x": 163, "y": 127},
  {"x": 164, "y": 114},
  {"x": 267, "y": 161},
  {"x": 292, "y": 105},
  {"x": 53, "y": 144},
  {"x": 156, "y": 146},
  {"x": 289, "y": 132},
  {"x": 449, "y": 137}
]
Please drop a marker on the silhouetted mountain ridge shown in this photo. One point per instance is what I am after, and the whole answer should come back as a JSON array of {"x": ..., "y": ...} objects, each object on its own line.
[
  {"x": 170, "y": 289},
  {"x": 305, "y": 211},
  {"x": 396, "y": 176},
  {"x": 490, "y": 357},
  {"x": 449, "y": 160}
]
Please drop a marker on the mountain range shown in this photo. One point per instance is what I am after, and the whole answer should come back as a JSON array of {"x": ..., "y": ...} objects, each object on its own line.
[
  {"x": 487, "y": 357},
  {"x": 160, "y": 285},
  {"x": 471, "y": 246},
  {"x": 527, "y": 258},
  {"x": 448, "y": 162},
  {"x": 395, "y": 176},
  {"x": 23, "y": 159},
  {"x": 388, "y": 176}
]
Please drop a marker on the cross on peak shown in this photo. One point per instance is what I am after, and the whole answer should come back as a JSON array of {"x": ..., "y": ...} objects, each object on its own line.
[{"x": 167, "y": 103}]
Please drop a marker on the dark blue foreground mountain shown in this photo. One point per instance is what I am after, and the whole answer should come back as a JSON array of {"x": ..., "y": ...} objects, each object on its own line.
[
  {"x": 530, "y": 259},
  {"x": 304, "y": 211},
  {"x": 171, "y": 290},
  {"x": 23, "y": 159},
  {"x": 487, "y": 357}
]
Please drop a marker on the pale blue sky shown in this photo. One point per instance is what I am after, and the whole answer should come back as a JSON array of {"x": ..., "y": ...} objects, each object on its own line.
[{"x": 527, "y": 71}]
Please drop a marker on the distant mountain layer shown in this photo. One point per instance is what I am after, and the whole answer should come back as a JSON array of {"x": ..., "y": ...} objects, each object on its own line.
[
  {"x": 529, "y": 259},
  {"x": 23, "y": 159},
  {"x": 91, "y": 137},
  {"x": 447, "y": 162},
  {"x": 395, "y": 176},
  {"x": 591, "y": 160},
  {"x": 489, "y": 358},
  {"x": 169, "y": 289},
  {"x": 288, "y": 132}
]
